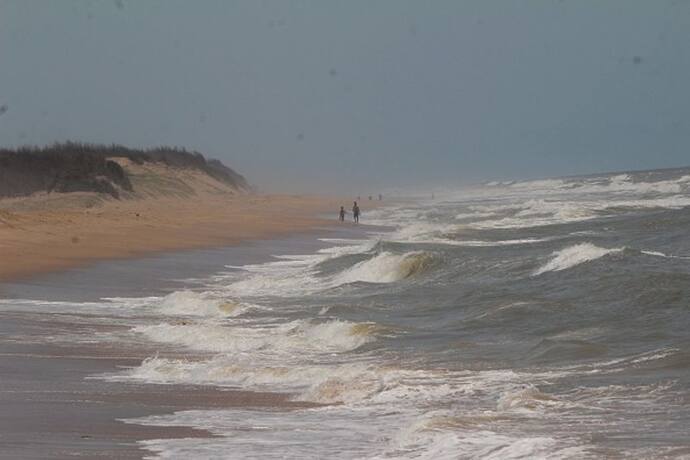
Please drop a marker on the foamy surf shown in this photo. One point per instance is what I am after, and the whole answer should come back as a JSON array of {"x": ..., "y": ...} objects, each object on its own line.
[
  {"x": 476, "y": 360},
  {"x": 573, "y": 256},
  {"x": 324, "y": 384},
  {"x": 528, "y": 398},
  {"x": 665, "y": 256},
  {"x": 189, "y": 303},
  {"x": 299, "y": 336}
]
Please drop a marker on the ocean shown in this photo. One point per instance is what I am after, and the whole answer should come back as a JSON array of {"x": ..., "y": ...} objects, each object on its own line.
[{"x": 514, "y": 320}]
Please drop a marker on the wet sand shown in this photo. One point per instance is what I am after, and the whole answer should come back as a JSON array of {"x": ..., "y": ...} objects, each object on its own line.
[
  {"x": 52, "y": 407},
  {"x": 50, "y": 404},
  {"x": 51, "y": 410}
]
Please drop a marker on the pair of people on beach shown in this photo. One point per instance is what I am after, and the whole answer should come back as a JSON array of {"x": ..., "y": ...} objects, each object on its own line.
[{"x": 355, "y": 213}]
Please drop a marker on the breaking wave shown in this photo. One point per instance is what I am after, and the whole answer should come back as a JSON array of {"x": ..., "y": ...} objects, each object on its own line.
[
  {"x": 574, "y": 255},
  {"x": 314, "y": 383},
  {"x": 486, "y": 363},
  {"x": 189, "y": 303},
  {"x": 294, "y": 337},
  {"x": 622, "y": 183},
  {"x": 387, "y": 268}
]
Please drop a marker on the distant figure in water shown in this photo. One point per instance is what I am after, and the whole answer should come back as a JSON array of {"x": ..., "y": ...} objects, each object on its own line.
[
  {"x": 342, "y": 214},
  {"x": 355, "y": 212},
  {"x": 380, "y": 197}
]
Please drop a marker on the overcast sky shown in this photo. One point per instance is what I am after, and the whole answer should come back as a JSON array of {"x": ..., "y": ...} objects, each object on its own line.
[{"x": 327, "y": 95}]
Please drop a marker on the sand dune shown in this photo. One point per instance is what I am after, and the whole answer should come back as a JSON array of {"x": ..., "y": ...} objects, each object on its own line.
[{"x": 169, "y": 208}]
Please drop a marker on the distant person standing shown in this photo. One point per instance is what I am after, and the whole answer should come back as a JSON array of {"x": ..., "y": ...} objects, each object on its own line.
[
  {"x": 380, "y": 197},
  {"x": 342, "y": 214},
  {"x": 355, "y": 212}
]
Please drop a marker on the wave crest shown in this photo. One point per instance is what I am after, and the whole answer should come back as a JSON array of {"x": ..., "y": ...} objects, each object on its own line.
[
  {"x": 574, "y": 255},
  {"x": 387, "y": 268}
]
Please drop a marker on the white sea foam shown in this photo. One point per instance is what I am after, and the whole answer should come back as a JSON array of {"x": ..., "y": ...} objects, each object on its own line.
[
  {"x": 355, "y": 383},
  {"x": 340, "y": 433},
  {"x": 358, "y": 383},
  {"x": 317, "y": 383},
  {"x": 473, "y": 215},
  {"x": 294, "y": 275},
  {"x": 527, "y": 397},
  {"x": 421, "y": 231},
  {"x": 484, "y": 243},
  {"x": 574, "y": 255},
  {"x": 654, "y": 253},
  {"x": 334, "y": 433},
  {"x": 625, "y": 184},
  {"x": 427, "y": 439},
  {"x": 299, "y": 336},
  {"x": 619, "y": 364},
  {"x": 119, "y": 306},
  {"x": 272, "y": 282},
  {"x": 189, "y": 303},
  {"x": 580, "y": 204},
  {"x": 661, "y": 254},
  {"x": 622, "y": 183},
  {"x": 368, "y": 392},
  {"x": 447, "y": 234},
  {"x": 47, "y": 305}
]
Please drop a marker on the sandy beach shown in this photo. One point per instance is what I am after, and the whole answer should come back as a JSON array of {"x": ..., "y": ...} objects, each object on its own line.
[
  {"x": 82, "y": 248},
  {"x": 53, "y": 232},
  {"x": 54, "y": 405},
  {"x": 51, "y": 406}
]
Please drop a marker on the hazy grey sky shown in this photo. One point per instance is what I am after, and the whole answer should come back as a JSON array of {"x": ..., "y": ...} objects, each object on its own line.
[{"x": 305, "y": 95}]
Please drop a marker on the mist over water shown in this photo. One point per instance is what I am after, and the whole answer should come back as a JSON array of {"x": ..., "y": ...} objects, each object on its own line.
[
  {"x": 329, "y": 96},
  {"x": 542, "y": 319}
]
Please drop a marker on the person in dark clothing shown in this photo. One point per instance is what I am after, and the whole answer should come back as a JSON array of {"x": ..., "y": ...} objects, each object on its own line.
[
  {"x": 342, "y": 214},
  {"x": 355, "y": 212}
]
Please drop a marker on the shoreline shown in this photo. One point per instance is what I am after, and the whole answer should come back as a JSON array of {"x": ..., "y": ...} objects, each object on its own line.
[
  {"x": 48, "y": 390},
  {"x": 49, "y": 396},
  {"x": 45, "y": 234},
  {"x": 48, "y": 374}
]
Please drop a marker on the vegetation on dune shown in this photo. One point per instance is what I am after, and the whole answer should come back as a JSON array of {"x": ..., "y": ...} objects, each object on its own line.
[{"x": 77, "y": 167}]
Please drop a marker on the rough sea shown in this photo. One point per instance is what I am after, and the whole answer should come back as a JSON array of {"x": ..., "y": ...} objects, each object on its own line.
[{"x": 522, "y": 320}]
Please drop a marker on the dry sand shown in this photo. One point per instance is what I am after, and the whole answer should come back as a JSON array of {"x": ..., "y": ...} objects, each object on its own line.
[
  {"x": 54, "y": 232},
  {"x": 170, "y": 208}
]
